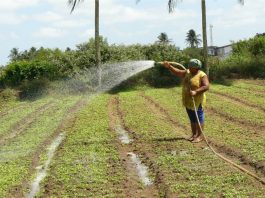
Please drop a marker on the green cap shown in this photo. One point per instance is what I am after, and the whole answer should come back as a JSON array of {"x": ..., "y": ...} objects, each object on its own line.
[{"x": 195, "y": 63}]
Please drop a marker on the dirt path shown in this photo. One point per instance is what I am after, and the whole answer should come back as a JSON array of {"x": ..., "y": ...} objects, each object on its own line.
[
  {"x": 24, "y": 123},
  {"x": 132, "y": 184},
  {"x": 238, "y": 101},
  {"x": 67, "y": 121},
  {"x": 228, "y": 152}
]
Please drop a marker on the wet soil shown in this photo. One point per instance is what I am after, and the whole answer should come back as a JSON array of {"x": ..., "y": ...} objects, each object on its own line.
[
  {"x": 131, "y": 185},
  {"x": 66, "y": 122}
]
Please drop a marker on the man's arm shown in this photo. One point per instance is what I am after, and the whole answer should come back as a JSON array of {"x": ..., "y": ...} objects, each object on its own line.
[{"x": 177, "y": 72}]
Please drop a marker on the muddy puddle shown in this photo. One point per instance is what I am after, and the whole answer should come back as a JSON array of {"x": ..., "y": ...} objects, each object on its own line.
[
  {"x": 42, "y": 170},
  {"x": 141, "y": 169}
]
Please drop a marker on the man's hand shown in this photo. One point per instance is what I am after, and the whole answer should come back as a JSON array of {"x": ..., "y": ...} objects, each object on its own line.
[
  {"x": 166, "y": 64},
  {"x": 193, "y": 93}
]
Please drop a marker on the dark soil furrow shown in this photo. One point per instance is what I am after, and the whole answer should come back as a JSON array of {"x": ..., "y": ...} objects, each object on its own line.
[
  {"x": 257, "y": 128},
  {"x": 250, "y": 90},
  {"x": 131, "y": 185},
  {"x": 238, "y": 101},
  {"x": 229, "y": 152},
  {"x": 67, "y": 121},
  {"x": 144, "y": 149},
  {"x": 24, "y": 123},
  {"x": 164, "y": 112},
  {"x": 234, "y": 154}
]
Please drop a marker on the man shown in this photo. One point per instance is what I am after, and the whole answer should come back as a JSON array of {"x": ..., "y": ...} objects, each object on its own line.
[{"x": 195, "y": 84}]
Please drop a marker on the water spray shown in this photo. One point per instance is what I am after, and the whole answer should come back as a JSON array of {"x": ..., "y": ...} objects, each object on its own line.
[{"x": 204, "y": 137}]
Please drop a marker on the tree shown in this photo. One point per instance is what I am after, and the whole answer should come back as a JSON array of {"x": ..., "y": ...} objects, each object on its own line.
[
  {"x": 14, "y": 54},
  {"x": 193, "y": 39},
  {"x": 68, "y": 49},
  {"x": 97, "y": 39},
  {"x": 163, "y": 39},
  {"x": 172, "y": 4}
]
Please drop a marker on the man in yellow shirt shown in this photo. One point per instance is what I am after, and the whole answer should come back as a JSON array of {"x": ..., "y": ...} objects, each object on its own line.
[{"x": 195, "y": 84}]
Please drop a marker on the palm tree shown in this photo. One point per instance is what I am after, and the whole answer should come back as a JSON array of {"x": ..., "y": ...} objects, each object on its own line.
[
  {"x": 163, "y": 39},
  {"x": 193, "y": 39},
  {"x": 97, "y": 39},
  {"x": 172, "y": 5},
  {"x": 14, "y": 54}
]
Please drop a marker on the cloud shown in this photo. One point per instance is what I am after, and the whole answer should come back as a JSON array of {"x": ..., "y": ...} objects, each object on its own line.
[
  {"x": 12, "y": 5},
  {"x": 48, "y": 16},
  {"x": 71, "y": 23},
  {"x": 242, "y": 16},
  {"x": 9, "y": 11},
  {"x": 14, "y": 35},
  {"x": 11, "y": 19},
  {"x": 49, "y": 32},
  {"x": 88, "y": 33}
]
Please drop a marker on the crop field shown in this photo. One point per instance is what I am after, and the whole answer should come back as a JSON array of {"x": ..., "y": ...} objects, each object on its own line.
[{"x": 133, "y": 143}]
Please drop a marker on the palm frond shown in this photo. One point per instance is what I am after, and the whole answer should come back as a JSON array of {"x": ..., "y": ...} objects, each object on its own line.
[
  {"x": 241, "y": 1},
  {"x": 74, "y": 3},
  {"x": 172, "y": 4}
]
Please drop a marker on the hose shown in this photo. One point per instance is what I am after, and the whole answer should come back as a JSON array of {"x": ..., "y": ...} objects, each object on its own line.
[
  {"x": 222, "y": 157},
  {"x": 211, "y": 148},
  {"x": 174, "y": 64}
]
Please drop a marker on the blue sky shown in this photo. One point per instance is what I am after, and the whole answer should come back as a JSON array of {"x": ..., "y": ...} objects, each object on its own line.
[{"x": 48, "y": 23}]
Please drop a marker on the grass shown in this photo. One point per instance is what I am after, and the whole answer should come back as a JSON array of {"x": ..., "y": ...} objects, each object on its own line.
[
  {"x": 217, "y": 128},
  {"x": 13, "y": 118},
  {"x": 16, "y": 154},
  {"x": 243, "y": 94},
  {"x": 189, "y": 171},
  {"x": 88, "y": 162}
]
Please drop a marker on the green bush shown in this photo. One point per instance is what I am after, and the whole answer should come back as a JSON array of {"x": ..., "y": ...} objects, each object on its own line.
[
  {"x": 246, "y": 61},
  {"x": 251, "y": 47},
  {"x": 7, "y": 95},
  {"x": 20, "y": 71},
  {"x": 238, "y": 66},
  {"x": 33, "y": 89}
]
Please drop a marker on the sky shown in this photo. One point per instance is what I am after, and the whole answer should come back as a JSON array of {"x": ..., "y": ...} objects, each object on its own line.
[{"x": 48, "y": 23}]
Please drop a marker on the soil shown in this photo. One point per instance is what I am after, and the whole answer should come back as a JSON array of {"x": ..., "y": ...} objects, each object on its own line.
[
  {"x": 239, "y": 101},
  {"x": 24, "y": 123},
  {"x": 66, "y": 122},
  {"x": 131, "y": 185},
  {"x": 228, "y": 152}
]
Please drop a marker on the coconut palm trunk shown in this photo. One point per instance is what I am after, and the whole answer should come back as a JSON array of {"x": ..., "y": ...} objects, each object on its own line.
[
  {"x": 97, "y": 38},
  {"x": 172, "y": 4},
  {"x": 204, "y": 36},
  {"x": 97, "y": 41}
]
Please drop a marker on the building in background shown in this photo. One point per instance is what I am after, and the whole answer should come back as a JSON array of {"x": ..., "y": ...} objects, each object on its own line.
[{"x": 222, "y": 52}]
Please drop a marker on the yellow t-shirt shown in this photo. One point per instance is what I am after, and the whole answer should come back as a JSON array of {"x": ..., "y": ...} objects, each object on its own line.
[{"x": 193, "y": 83}]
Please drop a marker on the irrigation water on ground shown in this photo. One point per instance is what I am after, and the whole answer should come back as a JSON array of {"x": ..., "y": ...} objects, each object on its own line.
[
  {"x": 42, "y": 170},
  {"x": 123, "y": 135},
  {"x": 141, "y": 169}
]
